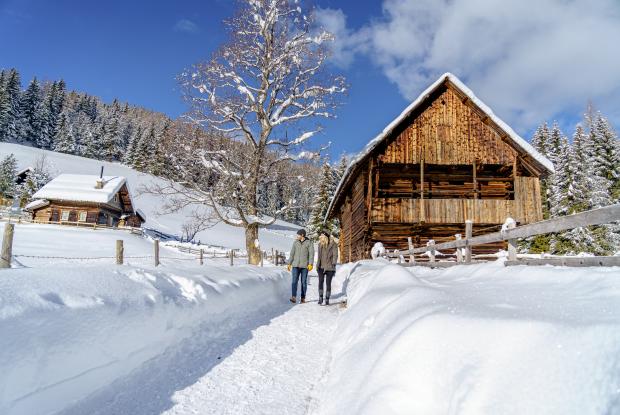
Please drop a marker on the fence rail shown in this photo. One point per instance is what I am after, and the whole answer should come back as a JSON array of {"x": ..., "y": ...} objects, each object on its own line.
[{"x": 593, "y": 217}]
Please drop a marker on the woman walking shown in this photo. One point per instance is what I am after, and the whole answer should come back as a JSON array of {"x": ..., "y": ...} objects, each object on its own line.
[{"x": 326, "y": 264}]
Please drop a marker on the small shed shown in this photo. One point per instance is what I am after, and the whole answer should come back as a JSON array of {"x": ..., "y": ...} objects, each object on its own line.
[
  {"x": 444, "y": 160},
  {"x": 76, "y": 198}
]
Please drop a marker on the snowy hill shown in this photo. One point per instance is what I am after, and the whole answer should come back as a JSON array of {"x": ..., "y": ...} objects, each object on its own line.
[{"x": 278, "y": 236}]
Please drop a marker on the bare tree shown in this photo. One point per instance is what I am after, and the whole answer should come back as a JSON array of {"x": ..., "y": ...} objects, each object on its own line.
[{"x": 266, "y": 82}]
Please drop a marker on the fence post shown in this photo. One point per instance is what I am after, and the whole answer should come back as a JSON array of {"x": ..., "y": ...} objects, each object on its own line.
[
  {"x": 231, "y": 258},
  {"x": 431, "y": 243},
  {"x": 468, "y": 234},
  {"x": 459, "y": 252},
  {"x": 272, "y": 261},
  {"x": 512, "y": 243},
  {"x": 119, "y": 252},
  {"x": 156, "y": 253},
  {"x": 262, "y": 257},
  {"x": 397, "y": 253},
  {"x": 201, "y": 257},
  {"x": 411, "y": 255},
  {"x": 7, "y": 246},
  {"x": 275, "y": 259}
]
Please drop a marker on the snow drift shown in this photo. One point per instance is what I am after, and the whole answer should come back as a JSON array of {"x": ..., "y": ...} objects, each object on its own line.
[
  {"x": 476, "y": 339},
  {"x": 67, "y": 331}
]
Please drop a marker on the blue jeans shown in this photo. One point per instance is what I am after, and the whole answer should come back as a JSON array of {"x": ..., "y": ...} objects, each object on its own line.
[{"x": 296, "y": 272}]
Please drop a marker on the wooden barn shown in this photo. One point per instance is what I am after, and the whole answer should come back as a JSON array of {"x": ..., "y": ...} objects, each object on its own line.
[
  {"x": 446, "y": 159},
  {"x": 75, "y": 198}
]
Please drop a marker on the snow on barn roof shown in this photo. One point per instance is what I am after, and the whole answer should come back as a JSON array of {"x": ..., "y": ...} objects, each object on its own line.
[
  {"x": 36, "y": 204},
  {"x": 81, "y": 188},
  {"x": 515, "y": 138}
]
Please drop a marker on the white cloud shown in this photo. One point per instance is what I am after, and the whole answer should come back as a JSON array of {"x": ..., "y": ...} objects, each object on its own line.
[
  {"x": 529, "y": 59},
  {"x": 187, "y": 26}
]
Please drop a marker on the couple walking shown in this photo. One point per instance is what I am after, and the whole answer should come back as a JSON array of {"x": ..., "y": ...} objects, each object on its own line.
[{"x": 301, "y": 259}]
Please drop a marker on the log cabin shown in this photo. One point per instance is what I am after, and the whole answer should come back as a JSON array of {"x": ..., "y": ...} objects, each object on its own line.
[
  {"x": 444, "y": 160},
  {"x": 87, "y": 199}
]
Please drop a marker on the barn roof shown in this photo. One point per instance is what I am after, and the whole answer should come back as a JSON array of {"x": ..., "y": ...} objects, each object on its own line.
[
  {"x": 517, "y": 141},
  {"x": 81, "y": 188}
]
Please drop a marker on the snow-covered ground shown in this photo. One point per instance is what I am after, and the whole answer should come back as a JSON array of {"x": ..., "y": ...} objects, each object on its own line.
[
  {"x": 476, "y": 339},
  {"x": 90, "y": 337},
  {"x": 69, "y": 328},
  {"x": 278, "y": 236}
]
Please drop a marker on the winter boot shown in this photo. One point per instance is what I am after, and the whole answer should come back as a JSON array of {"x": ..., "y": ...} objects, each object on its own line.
[
  {"x": 303, "y": 300},
  {"x": 320, "y": 300},
  {"x": 326, "y": 300},
  {"x": 293, "y": 300}
]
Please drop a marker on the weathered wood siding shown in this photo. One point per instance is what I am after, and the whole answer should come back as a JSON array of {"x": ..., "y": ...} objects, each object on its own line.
[{"x": 449, "y": 131}]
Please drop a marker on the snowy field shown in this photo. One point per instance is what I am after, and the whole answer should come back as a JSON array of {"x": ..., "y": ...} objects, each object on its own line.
[
  {"x": 90, "y": 337},
  {"x": 278, "y": 236},
  {"x": 477, "y": 339}
]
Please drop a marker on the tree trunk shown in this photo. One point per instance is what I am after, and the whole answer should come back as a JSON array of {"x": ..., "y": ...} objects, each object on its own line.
[{"x": 251, "y": 235}]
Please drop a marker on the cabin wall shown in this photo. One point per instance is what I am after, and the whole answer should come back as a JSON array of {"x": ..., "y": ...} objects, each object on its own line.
[
  {"x": 354, "y": 241},
  {"x": 449, "y": 131}
]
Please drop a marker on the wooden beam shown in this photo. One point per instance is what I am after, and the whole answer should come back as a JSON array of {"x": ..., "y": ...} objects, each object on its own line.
[
  {"x": 422, "y": 211},
  {"x": 601, "y": 261}
]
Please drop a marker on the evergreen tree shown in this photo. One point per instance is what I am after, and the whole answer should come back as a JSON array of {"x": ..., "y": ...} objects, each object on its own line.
[
  {"x": 132, "y": 148},
  {"x": 8, "y": 171},
  {"x": 64, "y": 139},
  {"x": 13, "y": 94},
  {"x": 321, "y": 203},
  {"x": 5, "y": 107},
  {"x": 36, "y": 178},
  {"x": 541, "y": 138},
  {"x": 32, "y": 119},
  {"x": 606, "y": 156}
]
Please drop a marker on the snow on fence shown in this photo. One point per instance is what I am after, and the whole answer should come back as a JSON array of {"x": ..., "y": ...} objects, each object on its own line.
[
  {"x": 512, "y": 233},
  {"x": 199, "y": 254}
]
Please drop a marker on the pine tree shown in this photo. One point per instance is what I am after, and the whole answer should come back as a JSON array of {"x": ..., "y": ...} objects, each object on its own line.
[
  {"x": 64, "y": 139},
  {"x": 132, "y": 148},
  {"x": 5, "y": 107},
  {"x": 541, "y": 138},
  {"x": 36, "y": 178},
  {"x": 32, "y": 120},
  {"x": 13, "y": 94},
  {"x": 321, "y": 203},
  {"x": 606, "y": 155},
  {"x": 8, "y": 171}
]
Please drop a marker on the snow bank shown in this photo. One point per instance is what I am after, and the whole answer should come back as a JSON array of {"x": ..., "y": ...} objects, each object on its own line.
[
  {"x": 67, "y": 331},
  {"x": 476, "y": 339}
]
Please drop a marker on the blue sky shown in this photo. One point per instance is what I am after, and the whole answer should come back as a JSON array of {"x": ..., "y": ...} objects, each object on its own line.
[{"x": 526, "y": 68}]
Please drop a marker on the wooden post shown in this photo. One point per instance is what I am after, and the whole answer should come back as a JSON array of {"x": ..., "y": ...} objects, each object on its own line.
[
  {"x": 397, "y": 253},
  {"x": 475, "y": 182},
  {"x": 201, "y": 257},
  {"x": 7, "y": 246},
  {"x": 468, "y": 235},
  {"x": 431, "y": 243},
  {"x": 231, "y": 258},
  {"x": 272, "y": 256},
  {"x": 459, "y": 252},
  {"x": 156, "y": 251},
  {"x": 411, "y": 255},
  {"x": 422, "y": 209},
  {"x": 512, "y": 243},
  {"x": 275, "y": 259},
  {"x": 262, "y": 257},
  {"x": 119, "y": 252}
]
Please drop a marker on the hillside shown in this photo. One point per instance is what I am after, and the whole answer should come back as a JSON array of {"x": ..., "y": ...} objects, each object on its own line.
[{"x": 278, "y": 236}]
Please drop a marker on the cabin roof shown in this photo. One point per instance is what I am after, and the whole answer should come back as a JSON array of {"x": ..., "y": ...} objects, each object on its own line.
[
  {"x": 516, "y": 140},
  {"x": 81, "y": 188}
]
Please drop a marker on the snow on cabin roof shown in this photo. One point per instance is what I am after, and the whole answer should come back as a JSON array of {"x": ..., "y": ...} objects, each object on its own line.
[
  {"x": 36, "y": 204},
  {"x": 516, "y": 139},
  {"x": 81, "y": 188},
  {"x": 141, "y": 214}
]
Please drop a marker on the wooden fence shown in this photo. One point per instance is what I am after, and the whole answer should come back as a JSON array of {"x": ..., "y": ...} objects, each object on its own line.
[
  {"x": 462, "y": 246},
  {"x": 199, "y": 254}
]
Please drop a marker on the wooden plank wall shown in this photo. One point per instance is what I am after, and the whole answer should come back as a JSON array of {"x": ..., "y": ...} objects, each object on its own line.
[
  {"x": 528, "y": 203},
  {"x": 449, "y": 132}
]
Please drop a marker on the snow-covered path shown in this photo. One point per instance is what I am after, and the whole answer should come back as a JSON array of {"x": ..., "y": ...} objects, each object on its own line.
[
  {"x": 266, "y": 362},
  {"x": 274, "y": 372}
]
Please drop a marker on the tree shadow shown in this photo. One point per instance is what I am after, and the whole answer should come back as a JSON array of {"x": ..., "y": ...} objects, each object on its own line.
[{"x": 150, "y": 388}]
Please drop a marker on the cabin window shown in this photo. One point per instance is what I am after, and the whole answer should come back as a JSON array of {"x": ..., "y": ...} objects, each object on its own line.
[
  {"x": 404, "y": 181},
  {"x": 82, "y": 217},
  {"x": 64, "y": 215},
  {"x": 116, "y": 198}
]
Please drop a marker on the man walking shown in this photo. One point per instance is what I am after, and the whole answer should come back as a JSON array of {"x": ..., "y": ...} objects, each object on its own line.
[{"x": 299, "y": 263}]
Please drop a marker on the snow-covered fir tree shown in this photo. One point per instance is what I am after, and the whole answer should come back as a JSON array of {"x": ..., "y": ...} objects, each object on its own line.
[
  {"x": 9, "y": 129},
  {"x": 321, "y": 203},
  {"x": 35, "y": 179},
  {"x": 64, "y": 139},
  {"x": 8, "y": 171},
  {"x": 32, "y": 115}
]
